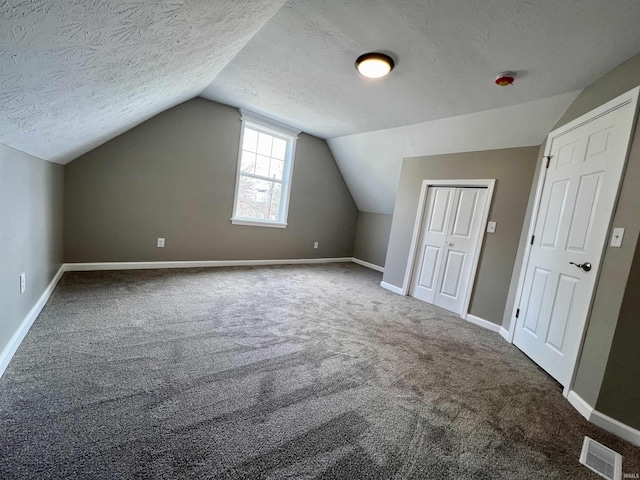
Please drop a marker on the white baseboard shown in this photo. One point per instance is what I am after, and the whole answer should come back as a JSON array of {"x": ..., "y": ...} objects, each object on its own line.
[
  {"x": 87, "y": 267},
  {"x": 372, "y": 266},
  {"x": 603, "y": 421},
  {"x": 392, "y": 288},
  {"x": 504, "y": 333},
  {"x": 580, "y": 404},
  {"x": 11, "y": 348},
  {"x": 612, "y": 425},
  {"x": 481, "y": 322}
]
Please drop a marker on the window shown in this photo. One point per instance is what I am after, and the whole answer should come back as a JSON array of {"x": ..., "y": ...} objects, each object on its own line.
[{"x": 265, "y": 164}]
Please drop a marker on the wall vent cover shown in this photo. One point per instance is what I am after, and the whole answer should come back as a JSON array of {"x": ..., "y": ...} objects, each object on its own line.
[{"x": 601, "y": 459}]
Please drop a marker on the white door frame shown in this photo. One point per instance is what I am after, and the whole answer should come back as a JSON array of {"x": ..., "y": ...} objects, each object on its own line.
[
  {"x": 489, "y": 184},
  {"x": 631, "y": 97}
]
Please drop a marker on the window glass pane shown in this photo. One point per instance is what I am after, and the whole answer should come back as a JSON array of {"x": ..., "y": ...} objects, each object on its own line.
[
  {"x": 274, "y": 197},
  {"x": 248, "y": 164},
  {"x": 276, "y": 170},
  {"x": 262, "y": 165},
  {"x": 279, "y": 148},
  {"x": 264, "y": 144},
  {"x": 250, "y": 140},
  {"x": 258, "y": 199}
]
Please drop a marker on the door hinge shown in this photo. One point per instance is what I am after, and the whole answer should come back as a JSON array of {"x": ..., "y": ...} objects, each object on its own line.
[
  {"x": 548, "y": 160},
  {"x": 517, "y": 313},
  {"x": 533, "y": 237}
]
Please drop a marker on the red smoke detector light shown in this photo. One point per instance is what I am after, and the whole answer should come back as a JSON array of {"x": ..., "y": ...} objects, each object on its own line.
[{"x": 505, "y": 79}]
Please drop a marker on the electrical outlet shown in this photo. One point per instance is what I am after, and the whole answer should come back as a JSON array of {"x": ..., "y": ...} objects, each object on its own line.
[
  {"x": 23, "y": 282},
  {"x": 315, "y": 244},
  {"x": 491, "y": 227},
  {"x": 160, "y": 242}
]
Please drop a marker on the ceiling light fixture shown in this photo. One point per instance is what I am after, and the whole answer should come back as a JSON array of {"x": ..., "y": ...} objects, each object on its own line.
[{"x": 374, "y": 65}]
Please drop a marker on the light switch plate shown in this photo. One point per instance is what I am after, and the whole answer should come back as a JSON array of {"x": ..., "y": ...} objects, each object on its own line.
[
  {"x": 491, "y": 227},
  {"x": 616, "y": 237}
]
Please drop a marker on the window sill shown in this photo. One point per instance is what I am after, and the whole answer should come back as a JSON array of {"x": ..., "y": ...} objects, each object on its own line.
[{"x": 257, "y": 223}]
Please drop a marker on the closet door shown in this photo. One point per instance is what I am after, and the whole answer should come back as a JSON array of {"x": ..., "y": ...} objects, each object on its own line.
[
  {"x": 451, "y": 229},
  {"x": 426, "y": 271}
]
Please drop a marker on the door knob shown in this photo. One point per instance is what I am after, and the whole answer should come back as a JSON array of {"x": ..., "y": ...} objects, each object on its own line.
[
  {"x": 584, "y": 266},
  {"x": 449, "y": 244}
]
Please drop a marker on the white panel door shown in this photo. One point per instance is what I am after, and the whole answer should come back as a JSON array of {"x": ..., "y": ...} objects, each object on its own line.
[
  {"x": 433, "y": 237},
  {"x": 577, "y": 201},
  {"x": 463, "y": 234},
  {"x": 451, "y": 228}
]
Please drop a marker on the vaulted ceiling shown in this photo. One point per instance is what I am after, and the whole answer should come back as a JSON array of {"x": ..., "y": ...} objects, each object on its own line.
[
  {"x": 75, "y": 73},
  {"x": 299, "y": 68}
]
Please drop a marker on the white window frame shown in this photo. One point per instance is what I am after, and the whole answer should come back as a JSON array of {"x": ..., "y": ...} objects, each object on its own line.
[{"x": 290, "y": 135}]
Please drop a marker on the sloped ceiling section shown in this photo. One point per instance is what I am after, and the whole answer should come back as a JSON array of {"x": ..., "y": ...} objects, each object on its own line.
[
  {"x": 371, "y": 162},
  {"x": 75, "y": 73}
]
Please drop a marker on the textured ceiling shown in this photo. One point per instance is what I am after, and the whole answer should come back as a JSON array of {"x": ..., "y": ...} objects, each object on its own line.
[
  {"x": 299, "y": 68},
  {"x": 75, "y": 73}
]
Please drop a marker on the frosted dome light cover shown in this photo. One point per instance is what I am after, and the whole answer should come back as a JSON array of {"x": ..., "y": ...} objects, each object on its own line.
[{"x": 374, "y": 65}]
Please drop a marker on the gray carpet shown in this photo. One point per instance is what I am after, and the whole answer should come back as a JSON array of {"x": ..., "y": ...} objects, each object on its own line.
[{"x": 310, "y": 372}]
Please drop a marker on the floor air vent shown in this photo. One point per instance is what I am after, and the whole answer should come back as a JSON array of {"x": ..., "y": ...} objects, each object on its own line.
[{"x": 601, "y": 459}]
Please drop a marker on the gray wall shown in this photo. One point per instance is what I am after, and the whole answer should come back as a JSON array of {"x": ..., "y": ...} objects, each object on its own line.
[
  {"x": 620, "y": 393},
  {"x": 174, "y": 177},
  {"x": 30, "y": 233},
  {"x": 522, "y": 244},
  {"x": 513, "y": 170},
  {"x": 372, "y": 237},
  {"x": 608, "y": 387}
]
